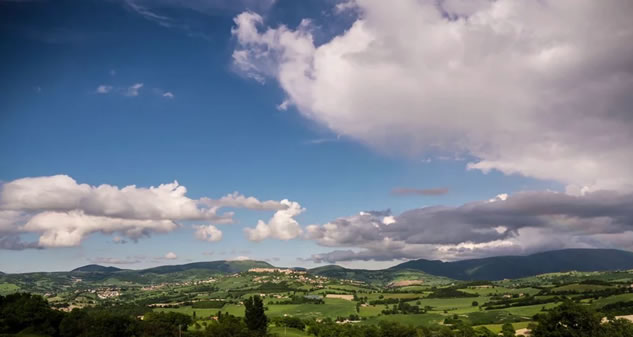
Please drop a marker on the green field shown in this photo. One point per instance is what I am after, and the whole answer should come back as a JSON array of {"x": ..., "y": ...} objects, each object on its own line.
[
  {"x": 8, "y": 288},
  {"x": 414, "y": 320},
  {"x": 500, "y": 290},
  {"x": 496, "y": 328},
  {"x": 332, "y": 308},
  {"x": 580, "y": 288},
  {"x": 613, "y": 299}
]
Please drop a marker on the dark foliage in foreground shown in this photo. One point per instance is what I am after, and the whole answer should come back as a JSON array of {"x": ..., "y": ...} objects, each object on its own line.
[{"x": 31, "y": 314}]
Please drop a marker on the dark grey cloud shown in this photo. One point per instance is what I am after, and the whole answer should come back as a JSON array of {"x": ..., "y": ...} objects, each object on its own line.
[
  {"x": 598, "y": 212},
  {"x": 403, "y": 191},
  {"x": 13, "y": 242},
  {"x": 523, "y": 222}
]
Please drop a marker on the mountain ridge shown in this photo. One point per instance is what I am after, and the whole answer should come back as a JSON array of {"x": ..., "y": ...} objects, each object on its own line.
[
  {"x": 92, "y": 268},
  {"x": 225, "y": 266},
  {"x": 518, "y": 266},
  {"x": 489, "y": 268}
]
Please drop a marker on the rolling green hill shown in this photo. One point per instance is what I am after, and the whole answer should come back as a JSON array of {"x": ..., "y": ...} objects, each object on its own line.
[
  {"x": 91, "y": 275},
  {"x": 227, "y": 267},
  {"x": 422, "y": 271},
  {"x": 95, "y": 268},
  {"x": 377, "y": 277},
  {"x": 510, "y": 267}
]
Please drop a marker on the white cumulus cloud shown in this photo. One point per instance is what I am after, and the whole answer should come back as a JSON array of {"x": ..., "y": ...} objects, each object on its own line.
[
  {"x": 537, "y": 88},
  {"x": 67, "y": 229},
  {"x": 281, "y": 225},
  {"x": 208, "y": 233},
  {"x": 63, "y": 212}
]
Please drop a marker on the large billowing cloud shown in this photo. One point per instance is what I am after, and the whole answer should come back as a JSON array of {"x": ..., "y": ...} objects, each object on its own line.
[
  {"x": 61, "y": 193},
  {"x": 63, "y": 212},
  {"x": 521, "y": 223},
  {"x": 282, "y": 225},
  {"x": 537, "y": 88}
]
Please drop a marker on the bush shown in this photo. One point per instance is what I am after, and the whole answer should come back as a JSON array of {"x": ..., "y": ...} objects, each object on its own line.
[{"x": 208, "y": 304}]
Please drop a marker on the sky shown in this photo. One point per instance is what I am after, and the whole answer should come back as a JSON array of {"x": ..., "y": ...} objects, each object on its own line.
[{"x": 364, "y": 133}]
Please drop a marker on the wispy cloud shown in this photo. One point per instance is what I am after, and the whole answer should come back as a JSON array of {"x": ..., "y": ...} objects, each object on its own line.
[
  {"x": 133, "y": 90},
  {"x": 119, "y": 240},
  {"x": 283, "y": 106},
  {"x": 403, "y": 191},
  {"x": 150, "y": 15},
  {"x": 164, "y": 93},
  {"x": 240, "y": 258},
  {"x": 323, "y": 140},
  {"x": 103, "y": 89}
]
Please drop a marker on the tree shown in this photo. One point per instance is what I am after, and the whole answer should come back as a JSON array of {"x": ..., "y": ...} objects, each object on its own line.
[
  {"x": 25, "y": 311},
  {"x": 475, "y": 303},
  {"x": 74, "y": 324},
  {"x": 507, "y": 330},
  {"x": 165, "y": 323},
  {"x": 484, "y": 332},
  {"x": 618, "y": 328},
  {"x": 254, "y": 315},
  {"x": 568, "y": 320},
  {"x": 228, "y": 326},
  {"x": 445, "y": 332}
]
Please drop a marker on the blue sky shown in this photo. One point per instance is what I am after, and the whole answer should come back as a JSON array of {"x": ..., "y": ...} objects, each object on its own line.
[{"x": 219, "y": 132}]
